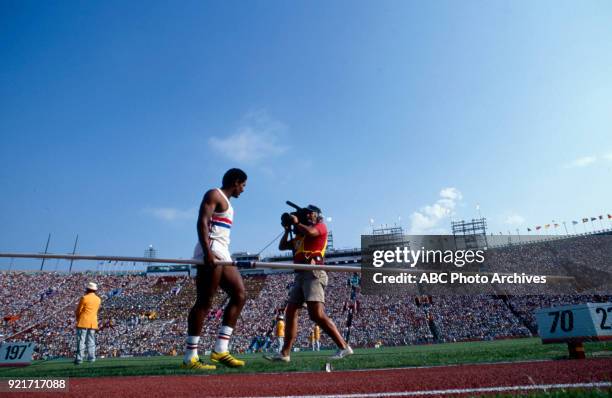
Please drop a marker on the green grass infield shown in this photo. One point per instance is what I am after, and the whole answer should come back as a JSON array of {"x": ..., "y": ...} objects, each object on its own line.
[{"x": 386, "y": 357}]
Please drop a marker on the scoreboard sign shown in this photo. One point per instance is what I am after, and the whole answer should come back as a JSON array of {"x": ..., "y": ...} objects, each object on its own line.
[
  {"x": 575, "y": 323},
  {"x": 16, "y": 353}
]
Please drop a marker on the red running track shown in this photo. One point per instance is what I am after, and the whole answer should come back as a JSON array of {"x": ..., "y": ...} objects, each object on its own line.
[{"x": 432, "y": 381}]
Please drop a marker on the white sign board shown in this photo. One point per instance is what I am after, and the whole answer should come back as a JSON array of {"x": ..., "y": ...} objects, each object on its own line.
[
  {"x": 16, "y": 353},
  {"x": 591, "y": 321}
]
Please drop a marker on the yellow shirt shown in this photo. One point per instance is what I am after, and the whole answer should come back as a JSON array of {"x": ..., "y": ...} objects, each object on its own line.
[
  {"x": 280, "y": 329},
  {"x": 317, "y": 332},
  {"x": 87, "y": 311}
]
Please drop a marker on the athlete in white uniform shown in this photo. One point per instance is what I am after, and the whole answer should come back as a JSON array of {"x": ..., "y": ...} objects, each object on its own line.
[
  {"x": 219, "y": 233},
  {"x": 215, "y": 221}
]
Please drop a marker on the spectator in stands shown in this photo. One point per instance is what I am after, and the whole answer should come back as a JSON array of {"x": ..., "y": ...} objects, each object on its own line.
[{"x": 87, "y": 324}]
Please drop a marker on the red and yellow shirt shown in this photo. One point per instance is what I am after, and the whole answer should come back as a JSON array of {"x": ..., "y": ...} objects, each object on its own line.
[{"x": 312, "y": 248}]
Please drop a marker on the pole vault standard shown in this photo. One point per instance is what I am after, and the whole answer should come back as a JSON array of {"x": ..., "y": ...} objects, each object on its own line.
[{"x": 239, "y": 264}]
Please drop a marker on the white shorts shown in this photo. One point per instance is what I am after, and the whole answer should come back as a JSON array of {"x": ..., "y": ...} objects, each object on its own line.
[{"x": 221, "y": 252}]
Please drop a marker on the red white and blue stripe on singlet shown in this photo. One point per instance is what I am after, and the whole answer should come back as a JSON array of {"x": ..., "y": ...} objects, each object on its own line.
[{"x": 221, "y": 222}]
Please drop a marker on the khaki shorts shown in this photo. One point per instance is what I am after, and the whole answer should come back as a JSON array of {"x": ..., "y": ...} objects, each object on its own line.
[{"x": 308, "y": 286}]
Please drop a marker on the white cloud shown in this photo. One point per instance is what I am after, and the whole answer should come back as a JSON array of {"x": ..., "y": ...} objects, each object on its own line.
[
  {"x": 255, "y": 140},
  {"x": 428, "y": 218},
  {"x": 515, "y": 219},
  {"x": 171, "y": 214},
  {"x": 581, "y": 162},
  {"x": 451, "y": 193}
]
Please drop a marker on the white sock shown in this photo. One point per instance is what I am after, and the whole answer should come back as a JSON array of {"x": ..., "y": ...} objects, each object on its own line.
[
  {"x": 223, "y": 338},
  {"x": 191, "y": 348}
]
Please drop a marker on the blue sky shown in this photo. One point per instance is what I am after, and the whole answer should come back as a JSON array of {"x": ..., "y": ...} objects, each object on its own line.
[{"x": 115, "y": 118}]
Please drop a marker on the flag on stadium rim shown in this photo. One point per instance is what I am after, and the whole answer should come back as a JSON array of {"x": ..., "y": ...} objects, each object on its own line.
[
  {"x": 538, "y": 227},
  {"x": 556, "y": 225},
  {"x": 574, "y": 222},
  {"x": 601, "y": 217},
  {"x": 609, "y": 215},
  {"x": 593, "y": 218},
  {"x": 528, "y": 229},
  {"x": 585, "y": 220},
  {"x": 547, "y": 226}
]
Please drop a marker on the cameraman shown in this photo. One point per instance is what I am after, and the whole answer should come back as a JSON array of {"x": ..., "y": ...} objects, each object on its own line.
[{"x": 309, "y": 287}]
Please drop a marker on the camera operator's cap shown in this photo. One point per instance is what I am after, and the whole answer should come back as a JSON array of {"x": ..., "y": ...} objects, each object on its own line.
[
  {"x": 92, "y": 286},
  {"x": 313, "y": 208}
]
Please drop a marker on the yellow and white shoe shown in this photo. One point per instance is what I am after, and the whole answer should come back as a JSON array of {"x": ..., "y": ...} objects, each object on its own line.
[
  {"x": 195, "y": 364},
  {"x": 226, "y": 359}
]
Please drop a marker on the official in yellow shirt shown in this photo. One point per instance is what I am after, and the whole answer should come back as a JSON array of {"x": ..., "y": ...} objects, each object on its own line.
[
  {"x": 280, "y": 332},
  {"x": 87, "y": 324}
]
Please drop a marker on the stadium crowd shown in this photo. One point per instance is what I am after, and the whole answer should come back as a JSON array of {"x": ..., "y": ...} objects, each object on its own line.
[{"x": 146, "y": 315}]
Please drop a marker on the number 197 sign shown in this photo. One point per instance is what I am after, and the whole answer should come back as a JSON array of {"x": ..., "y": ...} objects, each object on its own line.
[
  {"x": 592, "y": 321},
  {"x": 16, "y": 353}
]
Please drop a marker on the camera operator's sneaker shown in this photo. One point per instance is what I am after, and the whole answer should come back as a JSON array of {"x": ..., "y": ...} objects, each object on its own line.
[
  {"x": 342, "y": 353},
  {"x": 278, "y": 357}
]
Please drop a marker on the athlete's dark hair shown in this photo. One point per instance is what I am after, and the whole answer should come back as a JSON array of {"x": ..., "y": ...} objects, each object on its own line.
[{"x": 233, "y": 175}]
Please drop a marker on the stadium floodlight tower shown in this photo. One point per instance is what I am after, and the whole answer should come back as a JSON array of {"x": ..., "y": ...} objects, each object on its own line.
[
  {"x": 388, "y": 237},
  {"x": 470, "y": 234},
  {"x": 330, "y": 241},
  {"x": 150, "y": 252}
]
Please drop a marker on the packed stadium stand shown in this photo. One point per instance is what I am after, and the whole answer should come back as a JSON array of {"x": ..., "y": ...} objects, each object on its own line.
[{"x": 146, "y": 315}]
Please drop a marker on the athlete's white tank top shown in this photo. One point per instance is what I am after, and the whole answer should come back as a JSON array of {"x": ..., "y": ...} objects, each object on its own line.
[{"x": 219, "y": 232}]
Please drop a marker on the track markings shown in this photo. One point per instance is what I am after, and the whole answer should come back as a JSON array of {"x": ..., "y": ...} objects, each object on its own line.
[{"x": 451, "y": 391}]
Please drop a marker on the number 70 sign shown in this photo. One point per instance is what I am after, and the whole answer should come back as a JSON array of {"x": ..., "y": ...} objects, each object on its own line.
[
  {"x": 592, "y": 321},
  {"x": 16, "y": 353}
]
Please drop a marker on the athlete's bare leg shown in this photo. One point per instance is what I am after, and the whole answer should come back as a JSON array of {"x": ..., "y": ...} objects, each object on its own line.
[
  {"x": 291, "y": 316},
  {"x": 231, "y": 283},
  {"x": 207, "y": 283},
  {"x": 316, "y": 311}
]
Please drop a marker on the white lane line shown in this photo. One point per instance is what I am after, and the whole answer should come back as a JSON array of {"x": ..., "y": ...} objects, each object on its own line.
[{"x": 451, "y": 391}]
